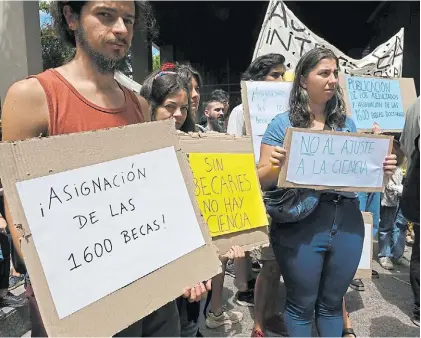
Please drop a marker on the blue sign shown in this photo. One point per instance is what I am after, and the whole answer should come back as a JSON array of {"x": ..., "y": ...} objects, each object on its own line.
[{"x": 375, "y": 100}]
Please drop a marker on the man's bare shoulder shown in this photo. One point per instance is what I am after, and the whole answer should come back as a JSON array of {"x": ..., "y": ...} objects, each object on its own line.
[
  {"x": 29, "y": 88},
  {"x": 25, "y": 111}
]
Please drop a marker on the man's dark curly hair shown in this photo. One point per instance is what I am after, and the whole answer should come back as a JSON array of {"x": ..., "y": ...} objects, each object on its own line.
[
  {"x": 300, "y": 114},
  {"x": 220, "y": 95},
  {"x": 143, "y": 13}
]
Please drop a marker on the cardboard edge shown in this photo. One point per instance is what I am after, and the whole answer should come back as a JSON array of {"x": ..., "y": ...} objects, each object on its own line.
[
  {"x": 366, "y": 273},
  {"x": 225, "y": 242},
  {"x": 246, "y": 109}
]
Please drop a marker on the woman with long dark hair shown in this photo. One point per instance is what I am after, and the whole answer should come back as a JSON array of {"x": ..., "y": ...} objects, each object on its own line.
[
  {"x": 318, "y": 255},
  {"x": 169, "y": 97}
]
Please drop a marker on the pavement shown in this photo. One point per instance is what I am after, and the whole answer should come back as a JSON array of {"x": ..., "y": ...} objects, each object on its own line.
[
  {"x": 15, "y": 322},
  {"x": 382, "y": 310}
]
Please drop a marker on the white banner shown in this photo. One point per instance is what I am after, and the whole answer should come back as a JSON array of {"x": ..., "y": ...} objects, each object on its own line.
[{"x": 283, "y": 33}]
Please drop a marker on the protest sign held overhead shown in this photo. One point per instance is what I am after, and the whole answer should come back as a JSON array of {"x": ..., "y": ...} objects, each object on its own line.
[
  {"x": 262, "y": 101},
  {"x": 227, "y": 189},
  {"x": 282, "y": 32},
  {"x": 113, "y": 205},
  {"x": 375, "y": 100},
  {"x": 334, "y": 160}
]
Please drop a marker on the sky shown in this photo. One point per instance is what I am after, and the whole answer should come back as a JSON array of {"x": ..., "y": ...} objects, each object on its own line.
[
  {"x": 155, "y": 51},
  {"x": 44, "y": 18}
]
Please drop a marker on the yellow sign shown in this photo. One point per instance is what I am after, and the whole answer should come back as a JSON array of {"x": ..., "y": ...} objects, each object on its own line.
[{"x": 228, "y": 192}]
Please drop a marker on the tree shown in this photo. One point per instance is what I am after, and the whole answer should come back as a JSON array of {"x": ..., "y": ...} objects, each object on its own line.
[
  {"x": 54, "y": 52},
  {"x": 156, "y": 62}
]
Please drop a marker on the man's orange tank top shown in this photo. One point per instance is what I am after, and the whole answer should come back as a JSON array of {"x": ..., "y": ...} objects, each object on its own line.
[{"x": 70, "y": 112}]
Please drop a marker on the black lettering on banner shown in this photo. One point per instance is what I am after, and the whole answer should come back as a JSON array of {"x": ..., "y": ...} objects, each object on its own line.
[
  {"x": 283, "y": 17},
  {"x": 280, "y": 40},
  {"x": 268, "y": 37},
  {"x": 379, "y": 65},
  {"x": 345, "y": 63},
  {"x": 398, "y": 50},
  {"x": 297, "y": 29},
  {"x": 303, "y": 41}
]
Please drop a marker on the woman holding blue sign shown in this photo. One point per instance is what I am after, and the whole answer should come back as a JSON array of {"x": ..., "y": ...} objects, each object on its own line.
[{"x": 318, "y": 255}]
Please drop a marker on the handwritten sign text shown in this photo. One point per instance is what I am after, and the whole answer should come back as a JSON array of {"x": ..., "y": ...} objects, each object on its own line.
[
  {"x": 113, "y": 216},
  {"x": 375, "y": 100},
  {"x": 228, "y": 192},
  {"x": 336, "y": 159}
]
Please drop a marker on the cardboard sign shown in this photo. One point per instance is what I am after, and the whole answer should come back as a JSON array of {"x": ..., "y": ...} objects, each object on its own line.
[
  {"x": 228, "y": 192},
  {"x": 365, "y": 265},
  {"x": 119, "y": 211},
  {"x": 334, "y": 160},
  {"x": 384, "y": 101},
  {"x": 109, "y": 213},
  {"x": 375, "y": 101},
  {"x": 262, "y": 101},
  {"x": 230, "y": 149}
]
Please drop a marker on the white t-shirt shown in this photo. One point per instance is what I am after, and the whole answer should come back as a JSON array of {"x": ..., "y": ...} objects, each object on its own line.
[{"x": 236, "y": 123}]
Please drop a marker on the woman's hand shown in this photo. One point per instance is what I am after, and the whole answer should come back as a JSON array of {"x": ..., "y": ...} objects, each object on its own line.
[
  {"x": 389, "y": 165},
  {"x": 195, "y": 293},
  {"x": 271, "y": 161},
  {"x": 277, "y": 157}
]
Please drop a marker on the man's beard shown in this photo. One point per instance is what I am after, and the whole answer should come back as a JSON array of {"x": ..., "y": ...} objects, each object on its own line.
[
  {"x": 104, "y": 64},
  {"x": 217, "y": 125}
]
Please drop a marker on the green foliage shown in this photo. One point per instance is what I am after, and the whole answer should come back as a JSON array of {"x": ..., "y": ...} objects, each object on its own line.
[
  {"x": 156, "y": 62},
  {"x": 54, "y": 52},
  {"x": 44, "y": 6}
]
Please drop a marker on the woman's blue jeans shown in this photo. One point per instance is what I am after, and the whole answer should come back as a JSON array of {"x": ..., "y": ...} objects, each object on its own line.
[
  {"x": 318, "y": 257},
  {"x": 392, "y": 232}
]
